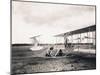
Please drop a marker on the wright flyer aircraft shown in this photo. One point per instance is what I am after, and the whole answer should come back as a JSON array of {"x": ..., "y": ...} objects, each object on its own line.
[{"x": 81, "y": 41}]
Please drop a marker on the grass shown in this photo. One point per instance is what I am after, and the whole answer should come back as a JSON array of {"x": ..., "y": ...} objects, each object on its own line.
[{"x": 23, "y": 62}]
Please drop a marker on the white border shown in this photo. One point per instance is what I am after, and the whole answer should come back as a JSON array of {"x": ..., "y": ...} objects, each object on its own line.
[{"x": 5, "y": 37}]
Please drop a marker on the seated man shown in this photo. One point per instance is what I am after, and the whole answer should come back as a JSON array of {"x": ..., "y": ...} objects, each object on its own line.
[
  {"x": 49, "y": 52},
  {"x": 60, "y": 53}
]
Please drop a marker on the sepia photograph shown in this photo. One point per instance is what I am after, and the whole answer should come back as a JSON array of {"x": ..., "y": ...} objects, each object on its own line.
[{"x": 52, "y": 37}]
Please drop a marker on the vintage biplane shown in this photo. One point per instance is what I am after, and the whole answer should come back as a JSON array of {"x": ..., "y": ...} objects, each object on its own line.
[{"x": 87, "y": 48}]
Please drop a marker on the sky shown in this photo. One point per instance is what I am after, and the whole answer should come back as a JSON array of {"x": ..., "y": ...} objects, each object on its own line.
[{"x": 30, "y": 19}]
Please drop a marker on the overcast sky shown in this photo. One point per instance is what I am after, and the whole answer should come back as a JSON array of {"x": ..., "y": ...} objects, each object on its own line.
[{"x": 31, "y": 19}]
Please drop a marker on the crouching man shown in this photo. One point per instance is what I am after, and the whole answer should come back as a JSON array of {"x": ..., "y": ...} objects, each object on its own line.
[
  {"x": 60, "y": 53},
  {"x": 49, "y": 52}
]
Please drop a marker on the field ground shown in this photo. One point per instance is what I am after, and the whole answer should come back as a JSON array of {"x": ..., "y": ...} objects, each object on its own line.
[{"x": 23, "y": 62}]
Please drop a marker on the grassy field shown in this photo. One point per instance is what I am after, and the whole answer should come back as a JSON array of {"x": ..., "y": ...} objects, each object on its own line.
[{"x": 24, "y": 62}]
